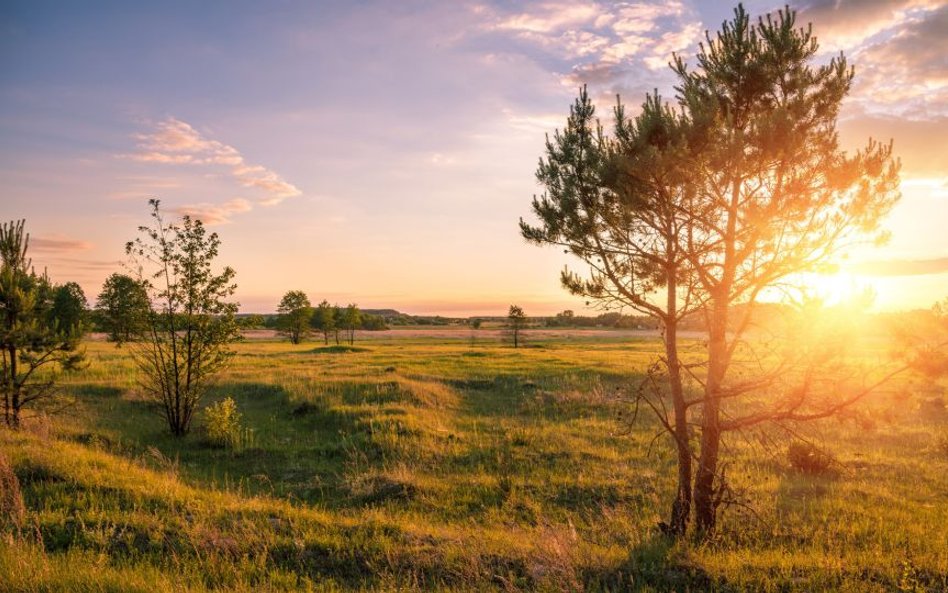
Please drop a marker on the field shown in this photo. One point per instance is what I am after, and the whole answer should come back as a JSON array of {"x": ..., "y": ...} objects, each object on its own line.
[{"x": 421, "y": 460}]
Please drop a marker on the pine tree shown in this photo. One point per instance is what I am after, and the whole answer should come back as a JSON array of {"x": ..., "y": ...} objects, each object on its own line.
[{"x": 40, "y": 327}]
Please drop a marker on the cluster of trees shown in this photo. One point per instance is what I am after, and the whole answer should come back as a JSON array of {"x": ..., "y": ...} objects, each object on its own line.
[
  {"x": 297, "y": 319},
  {"x": 568, "y": 318},
  {"x": 697, "y": 208},
  {"x": 41, "y": 325},
  {"x": 175, "y": 314}
]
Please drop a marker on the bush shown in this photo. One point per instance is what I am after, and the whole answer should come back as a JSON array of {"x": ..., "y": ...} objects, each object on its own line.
[
  {"x": 809, "y": 458},
  {"x": 222, "y": 424}
]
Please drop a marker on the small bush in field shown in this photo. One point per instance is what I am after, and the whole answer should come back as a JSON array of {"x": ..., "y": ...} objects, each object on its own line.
[
  {"x": 222, "y": 423},
  {"x": 809, "y": 458}
]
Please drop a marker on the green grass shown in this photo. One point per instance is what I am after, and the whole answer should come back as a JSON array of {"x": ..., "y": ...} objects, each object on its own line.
[{"x": 435, "y": 464}]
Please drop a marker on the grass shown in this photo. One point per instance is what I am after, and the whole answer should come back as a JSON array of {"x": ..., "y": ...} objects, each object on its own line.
[{"x": 420, "y": 463}]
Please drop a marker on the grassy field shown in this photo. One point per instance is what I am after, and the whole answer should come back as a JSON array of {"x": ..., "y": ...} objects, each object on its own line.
[{"x": 430, "y": 463}]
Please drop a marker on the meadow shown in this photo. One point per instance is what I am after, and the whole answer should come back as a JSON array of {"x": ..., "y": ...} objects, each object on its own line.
[{"x": 430, "y": 461}]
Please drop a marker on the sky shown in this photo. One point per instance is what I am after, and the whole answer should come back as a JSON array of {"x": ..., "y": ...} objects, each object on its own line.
[{"x": 382, "y": 153}]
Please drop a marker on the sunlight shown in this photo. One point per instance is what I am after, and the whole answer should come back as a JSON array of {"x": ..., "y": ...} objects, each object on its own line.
[{"x": 839, "y": 289}]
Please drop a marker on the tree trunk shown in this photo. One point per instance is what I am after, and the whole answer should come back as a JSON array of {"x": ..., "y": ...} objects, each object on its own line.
[
  {"x": 681, "y": 507},
  {"x": 704, "y": 489},
  {"x": 13, "y": 405}
]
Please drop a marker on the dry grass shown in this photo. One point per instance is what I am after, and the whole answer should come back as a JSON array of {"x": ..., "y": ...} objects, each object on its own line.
[{"x": 434, "y": 465}]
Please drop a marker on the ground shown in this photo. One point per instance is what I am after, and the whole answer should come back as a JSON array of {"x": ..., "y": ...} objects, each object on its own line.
[{"x": 434, "y": 461}]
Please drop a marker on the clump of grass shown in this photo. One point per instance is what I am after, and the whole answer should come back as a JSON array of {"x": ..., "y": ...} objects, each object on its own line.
[
  {"x": 12, "y": 509},
  {"x": 304, "y": 408},
  {"x": 941, "y": 444},
  {"x": 339, "y": 349},
  {"x": 222, "y": 424},
  {"x": 810, "y": 459}
]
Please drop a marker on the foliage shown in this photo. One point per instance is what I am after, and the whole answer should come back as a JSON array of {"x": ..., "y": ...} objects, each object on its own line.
[
  {"x": 191, "y": 323},
  {"x": 373, "y": 322},
  {"x": 222, "y": 423},
  {"x": 251, "y": 321},
  {"x": 295, "y": 314},
  {"x": 123, "y": 307},
  {"x": 40, "y": 327}
]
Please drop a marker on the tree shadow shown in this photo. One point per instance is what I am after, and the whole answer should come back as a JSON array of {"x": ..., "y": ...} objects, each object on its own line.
[
  {"x": 797, "y": 488},
  {"x": 657, "y": 564},
  {"x": 289, "y": 448}
]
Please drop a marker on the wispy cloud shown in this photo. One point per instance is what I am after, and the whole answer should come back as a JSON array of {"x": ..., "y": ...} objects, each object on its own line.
[
  {"x": 550, "y": 17},
  {"x": 216, "y": 213},
  {"x": 54, "y": 245},
  {"x": 176, "y": 142},
  {"x": 605, "y": 44},
  {"x": 907, "y": 267},
  {"x": 899, "y": 48},
  {"x": 844, "y": 24}
]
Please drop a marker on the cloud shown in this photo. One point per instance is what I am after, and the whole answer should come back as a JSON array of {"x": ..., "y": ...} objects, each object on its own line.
[
  {"x": 899, "y": 49},
  {"x": 85, "y": 265},
  {"x": 176, "y": 142},
  {"x": 905, "y": 267},
  {"x": 908, "y": 71},
  {"x": 843, "y": 24},
  {"x": 603, "y": 43},
  {"x": 552, "y": 16},
  {"x": 215, "y": 213},
  {"x": 58, "y": 245}
]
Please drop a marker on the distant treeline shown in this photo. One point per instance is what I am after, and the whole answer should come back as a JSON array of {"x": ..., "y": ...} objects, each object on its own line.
[{"x": 383, "y": 319}]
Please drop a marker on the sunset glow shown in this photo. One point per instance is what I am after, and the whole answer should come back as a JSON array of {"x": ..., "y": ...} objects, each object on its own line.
[{"x": 382, "y": 153}]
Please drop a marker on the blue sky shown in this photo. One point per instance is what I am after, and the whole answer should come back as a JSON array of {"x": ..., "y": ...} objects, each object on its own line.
[{"x": 382, "y": 152}]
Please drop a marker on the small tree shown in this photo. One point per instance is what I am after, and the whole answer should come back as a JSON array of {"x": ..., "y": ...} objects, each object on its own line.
[
  {"x": 325, "y": 320},
  {"x": 191, "y": 324},
  {"x": 295, "y": 315},
  {"x": 40, "y": 327},
  {"x": 123, "y": 308},
  {"x": 351, "y": 320},
  {"x": 516, "y": 321}
]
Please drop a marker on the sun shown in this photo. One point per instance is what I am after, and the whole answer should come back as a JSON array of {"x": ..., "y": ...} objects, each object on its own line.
[{"x": 838, "y": 289}]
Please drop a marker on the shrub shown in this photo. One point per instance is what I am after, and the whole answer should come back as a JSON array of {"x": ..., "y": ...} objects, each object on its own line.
[
  {"x": 222, "y": 423},
  {"x": 809, "y": 458}
]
